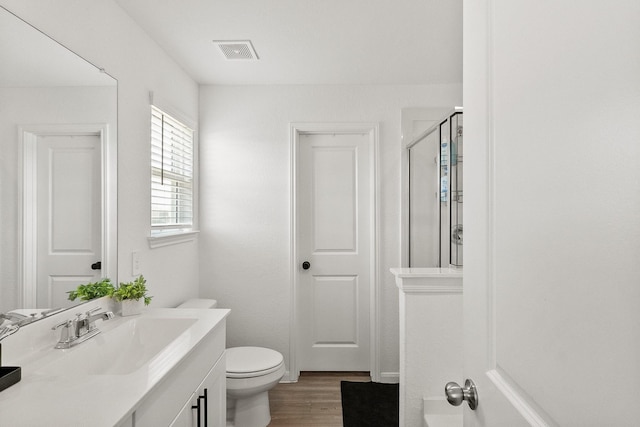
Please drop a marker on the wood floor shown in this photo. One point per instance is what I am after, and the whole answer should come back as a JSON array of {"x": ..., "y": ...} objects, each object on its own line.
[{"x": 313, "y": 401}]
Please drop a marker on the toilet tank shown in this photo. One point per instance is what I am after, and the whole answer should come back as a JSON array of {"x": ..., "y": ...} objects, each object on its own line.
[{"x": 199, "y": 303}]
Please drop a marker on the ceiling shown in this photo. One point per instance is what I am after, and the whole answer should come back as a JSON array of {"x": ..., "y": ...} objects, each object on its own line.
[{"x": 310, "y": 41}]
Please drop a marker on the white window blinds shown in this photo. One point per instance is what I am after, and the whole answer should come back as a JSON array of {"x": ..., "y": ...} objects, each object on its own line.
[{"x": 171, "y": 173}]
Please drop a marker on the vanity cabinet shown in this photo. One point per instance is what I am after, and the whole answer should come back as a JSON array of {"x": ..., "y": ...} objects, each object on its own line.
[
  {"x": 207, "y": 406},
  {"x": 145, "y": 370},
  {"x": 170, "y": 403}
]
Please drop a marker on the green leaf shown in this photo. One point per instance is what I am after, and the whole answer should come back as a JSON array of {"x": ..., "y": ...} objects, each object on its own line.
[
  {"x": 133, "y": 291},
  {"x": 93, "y": 290}
]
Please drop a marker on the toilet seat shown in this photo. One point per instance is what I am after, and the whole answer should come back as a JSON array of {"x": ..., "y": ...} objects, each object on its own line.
[{"x": 248, "y": 362}]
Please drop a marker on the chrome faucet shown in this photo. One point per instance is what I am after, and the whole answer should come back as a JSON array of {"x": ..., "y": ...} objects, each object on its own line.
[
  {"x": 5, "y": 331},
  {"x": 13, "y": 317},
  {"x": 17, "y": 318},
  {"x": 86, "y": 323},
  {"x": 81, "y": 328}
]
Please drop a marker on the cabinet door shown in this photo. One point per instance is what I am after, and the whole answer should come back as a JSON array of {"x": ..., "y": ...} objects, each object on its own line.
[
  {"x": 209, "y": 401},
  {"x": 215, "y": 385},
  {"x": 186, "y": 417},
  {"x": 127, "y": 422}
]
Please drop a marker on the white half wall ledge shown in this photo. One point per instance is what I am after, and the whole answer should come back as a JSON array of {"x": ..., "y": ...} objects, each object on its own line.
[
  {"x": 431, "y": 347},
  {"x": 446, "y": 280}
]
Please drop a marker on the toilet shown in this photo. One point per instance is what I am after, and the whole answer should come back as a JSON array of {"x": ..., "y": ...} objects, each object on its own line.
[{"x": 251, "y": 373}]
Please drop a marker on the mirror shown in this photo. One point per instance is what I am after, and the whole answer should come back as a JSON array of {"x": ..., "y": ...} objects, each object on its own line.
[
  {"x": 58, "y": 185},
  {"x": 435, "y": 194}
]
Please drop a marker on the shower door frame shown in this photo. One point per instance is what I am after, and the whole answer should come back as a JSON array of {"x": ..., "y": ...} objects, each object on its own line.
[{"x": 436, "y": 116}]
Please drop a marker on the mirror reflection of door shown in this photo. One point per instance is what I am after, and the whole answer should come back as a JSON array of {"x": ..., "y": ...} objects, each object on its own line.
[
  {"x": 62, "y": 213},
  {"x": 69, "y": 219}
]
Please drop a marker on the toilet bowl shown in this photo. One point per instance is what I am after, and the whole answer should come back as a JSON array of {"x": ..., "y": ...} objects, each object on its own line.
[{"x": 251, "y": 373}]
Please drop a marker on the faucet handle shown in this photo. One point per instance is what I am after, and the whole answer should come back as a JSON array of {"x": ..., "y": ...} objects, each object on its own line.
[
  {"x": 65, "y": 336},
  {"x": 87, "y": 313},
  {"x": 66, "y": 323},
  {"x": 93, "y": 310}
]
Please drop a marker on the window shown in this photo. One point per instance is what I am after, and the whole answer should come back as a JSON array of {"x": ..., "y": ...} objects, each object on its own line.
[{"x": 171, "y": 175}]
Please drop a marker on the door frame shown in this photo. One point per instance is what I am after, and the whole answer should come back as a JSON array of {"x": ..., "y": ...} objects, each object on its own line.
[
  {"x": 295, "y": 131},
  {"x": 28, "y": 138}
]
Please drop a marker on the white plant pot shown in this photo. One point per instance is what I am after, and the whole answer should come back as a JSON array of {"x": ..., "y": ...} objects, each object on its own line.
[{"x": 130, "y": 307}]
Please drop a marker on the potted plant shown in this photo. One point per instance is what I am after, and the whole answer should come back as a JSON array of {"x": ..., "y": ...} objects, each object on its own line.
[
  {"x": 93, "y": 290},
  {"x": 132, "y": 296}
]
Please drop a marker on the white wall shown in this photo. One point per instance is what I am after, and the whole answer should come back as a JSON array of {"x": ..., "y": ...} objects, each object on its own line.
[
  {"x": 102, "y": 33},
  {"x": 245, "y": 197}
]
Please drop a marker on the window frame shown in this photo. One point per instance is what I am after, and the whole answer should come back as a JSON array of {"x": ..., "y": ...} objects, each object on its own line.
[{"x": 163, "y": 235}]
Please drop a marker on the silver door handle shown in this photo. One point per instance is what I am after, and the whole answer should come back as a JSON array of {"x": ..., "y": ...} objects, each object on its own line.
[{"x": 456, "y": 394}]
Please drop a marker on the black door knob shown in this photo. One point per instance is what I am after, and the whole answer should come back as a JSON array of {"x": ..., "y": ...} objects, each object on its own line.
[
  {"x": 306, "y": 265},
  {"x": 96, "y": 265}
]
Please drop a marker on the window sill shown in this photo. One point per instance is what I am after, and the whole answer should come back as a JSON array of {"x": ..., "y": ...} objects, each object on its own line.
[{"x": 168, "y": 239}]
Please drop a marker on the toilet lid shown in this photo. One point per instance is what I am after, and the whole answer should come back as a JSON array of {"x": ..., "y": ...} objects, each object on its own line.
[{"x": 243, "y": 362}]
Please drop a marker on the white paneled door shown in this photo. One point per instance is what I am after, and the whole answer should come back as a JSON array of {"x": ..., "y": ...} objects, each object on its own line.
[
  {"x": 552, "y": 204},
  {"x": 334, "y": 223},
  {"x": 69, "y": 215}
]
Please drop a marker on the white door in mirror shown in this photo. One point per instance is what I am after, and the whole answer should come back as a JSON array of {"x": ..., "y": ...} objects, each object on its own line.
[{"x": 68, "y": 214}]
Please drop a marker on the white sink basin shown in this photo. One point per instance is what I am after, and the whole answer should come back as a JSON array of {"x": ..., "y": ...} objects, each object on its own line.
[{"x": 122, "y": 349}]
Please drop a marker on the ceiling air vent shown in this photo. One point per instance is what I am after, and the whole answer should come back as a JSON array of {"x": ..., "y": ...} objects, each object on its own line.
[{"x": 237, "y": 49}]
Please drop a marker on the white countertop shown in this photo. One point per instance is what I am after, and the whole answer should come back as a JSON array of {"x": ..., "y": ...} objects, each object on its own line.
[{"x": 68, "y": 399}]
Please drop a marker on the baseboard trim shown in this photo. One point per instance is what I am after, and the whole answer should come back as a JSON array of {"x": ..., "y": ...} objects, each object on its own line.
[
  {"x": 390, "y": 377},
  {"x": 288, "y": 378},
  {"x": 385, "y": 377}
]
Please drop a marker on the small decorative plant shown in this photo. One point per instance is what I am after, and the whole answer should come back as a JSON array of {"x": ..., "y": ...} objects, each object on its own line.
[
  {"x": 135, "y": 290},
  {"x": 93, "y": 290}
]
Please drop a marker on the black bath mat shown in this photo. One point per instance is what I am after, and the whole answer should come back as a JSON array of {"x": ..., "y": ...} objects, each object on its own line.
[{"x": 368, "y": 404}]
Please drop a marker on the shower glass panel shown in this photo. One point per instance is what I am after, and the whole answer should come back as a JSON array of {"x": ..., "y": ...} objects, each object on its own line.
[
  {"x": 435, "y": 194},
  {"x": 451, "y": 201},
  {"x": 424, "y": 215}
]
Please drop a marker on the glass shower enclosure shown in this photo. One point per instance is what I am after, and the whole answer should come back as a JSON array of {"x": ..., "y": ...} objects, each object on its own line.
[{"x": 435, "y": 200}]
